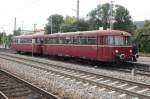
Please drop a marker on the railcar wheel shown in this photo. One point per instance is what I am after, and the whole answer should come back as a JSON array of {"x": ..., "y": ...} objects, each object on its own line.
[{"x": 18, "y": 52}]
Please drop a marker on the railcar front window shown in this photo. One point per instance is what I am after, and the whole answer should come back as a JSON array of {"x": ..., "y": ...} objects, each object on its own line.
[
  {"x": 111, "y": 40},
  {"x": 127, "y": 40},
  {"x": 119, "y": 40}
]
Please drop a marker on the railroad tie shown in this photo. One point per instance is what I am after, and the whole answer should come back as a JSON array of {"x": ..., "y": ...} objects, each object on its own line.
[
  {"x": 85, "y": 76},
  {"x": 113, "y": 83},
  {"x": 132, "y": 88},
  {"x": 90, "y": 77},
  {"x": 93, "y": 87},
  {"x": 67, "y": 78},
  {"x": 79, "y": 82},
  {"x": 111, "y": 92},
  {"x": 122, "y": 85},
  {"x": 122, "y": 95},
  {"x": 86, "y": 84},
  {"x": 105, "y": 81},
  {"x": 73, "y": 80},
  {"x": 144, "y": 90},
  {"x": 102, "y": 89}
]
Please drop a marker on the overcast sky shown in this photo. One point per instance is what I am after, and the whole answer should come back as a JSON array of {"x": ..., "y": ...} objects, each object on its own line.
[{"x": 29, "y": 12}]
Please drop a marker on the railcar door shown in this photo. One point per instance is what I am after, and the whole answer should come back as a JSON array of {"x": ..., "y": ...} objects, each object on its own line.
[
  {"x": 38, "y": 46},
  {"x": 103, "y": 52}
]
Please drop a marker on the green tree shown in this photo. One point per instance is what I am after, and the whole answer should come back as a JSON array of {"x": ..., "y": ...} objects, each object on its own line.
[
  {"x": 3, "y": 37},
  {"x": 123, "y": 20},
  {"x": 81, "y": 25},
  {"x": 71, "y": 25},
  {"x": 67, "y": 25},
  {"x": 100, "y": 16},
  {"x": 143, "y": 37},
  {"x": 56, "y": 21}
]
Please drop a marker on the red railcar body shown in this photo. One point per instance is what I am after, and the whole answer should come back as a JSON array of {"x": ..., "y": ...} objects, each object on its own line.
[
  {"x": 26, "y": 44},
  {"x": 101, "y": 45}
]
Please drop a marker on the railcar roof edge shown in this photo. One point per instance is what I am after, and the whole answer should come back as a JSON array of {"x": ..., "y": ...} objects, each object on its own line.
[{"x": 88, "y": 33}]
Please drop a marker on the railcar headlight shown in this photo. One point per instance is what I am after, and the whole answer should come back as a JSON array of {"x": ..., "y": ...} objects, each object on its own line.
[
  {"x": 130, "y": 51},
  {"x": 116, "y": 51}
]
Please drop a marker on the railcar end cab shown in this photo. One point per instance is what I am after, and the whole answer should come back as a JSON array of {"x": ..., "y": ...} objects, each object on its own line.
[
  {"x": 115, "y": 46},
  {"x": 24, "y": 43}
]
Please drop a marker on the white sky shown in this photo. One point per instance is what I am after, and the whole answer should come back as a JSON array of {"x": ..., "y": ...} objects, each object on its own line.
[{"x": 29, "y": 12}]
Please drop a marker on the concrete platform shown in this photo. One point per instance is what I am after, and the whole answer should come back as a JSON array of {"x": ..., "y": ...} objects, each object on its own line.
[{"x": 143, "y": 60}]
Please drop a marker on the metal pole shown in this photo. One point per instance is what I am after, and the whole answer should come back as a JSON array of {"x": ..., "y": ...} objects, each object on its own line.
[
  {"x": 111, "y": 15},
  {"x": 32, "y": 49},
  {"x": 33, "y": 41},
  {"x": 77, "y": 9},
  {"x": 3, "y": 41},
  {"x": 34, "y": 27},
  {"x": 51, "y": 25},
  {"x": 22, "y": 32},
  {"x": 15, "y": 26}
]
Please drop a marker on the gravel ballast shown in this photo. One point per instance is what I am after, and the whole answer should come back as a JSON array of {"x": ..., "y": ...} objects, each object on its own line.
[
  {"x": 67, "y": 87},
  {"x": 56, "y": 84},
  {"x": 116, "y": 74}
]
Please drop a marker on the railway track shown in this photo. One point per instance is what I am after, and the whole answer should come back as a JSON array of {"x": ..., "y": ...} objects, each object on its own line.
[
  {"x": 12, "y": 87},
  {"x": 101, "y": 82},
  {"x": 140, "y": 70}
]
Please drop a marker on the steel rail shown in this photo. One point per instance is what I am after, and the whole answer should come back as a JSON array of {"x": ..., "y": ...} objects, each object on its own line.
[
  {"x": 83, "y": 71},
  {"x": 3, "y": 96},
  {"x": 127, "y": 70},
  {"x": 46, "y": 94},
  {"x": 90, "y": 81}
]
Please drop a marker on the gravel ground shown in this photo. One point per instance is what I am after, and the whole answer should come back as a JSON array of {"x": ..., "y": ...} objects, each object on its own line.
[
  {"x": 56, "y": 84},
  {"x": 66, "y": 87},
  {"x": 117, "y": 74}
]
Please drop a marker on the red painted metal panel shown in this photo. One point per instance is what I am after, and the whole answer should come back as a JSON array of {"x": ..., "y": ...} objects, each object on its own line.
[
  {"x": 27, "y": 47},
  {"x": 82, "y": 51},
  {"x": 124, "y": 50},
  {"x": 105, "y": 53}
]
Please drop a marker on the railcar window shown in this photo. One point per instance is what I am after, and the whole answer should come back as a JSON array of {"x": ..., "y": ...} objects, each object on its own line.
[
  {"x": 39, "y": 40},
  {"x": 82, "y": 40},
  {"x": 56, "y": 40},
  {"x": 127, "y": 40},
  {"x": 91, "y": 40},
  {"x": 53, "y": 40},
  {"x": 21, "y": 40},
  {"x": 18, "y": 41},
  {"x": 75, "y": 40},
  {"x": 111, "y": 40},
  {"x": 61, "y": 40},
  {"x": 67, "y": 40},
  {"x": 24, "y": 40},
  {"x": 50, "y": 40},
  {"x": 119, "y": 40},
  {"x": 29, "y": 41}
]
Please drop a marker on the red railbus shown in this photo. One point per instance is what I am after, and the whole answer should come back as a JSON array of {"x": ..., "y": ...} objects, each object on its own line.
[
  {"x": 100, "y": 45},
  {"x": 24, "y": 43}
]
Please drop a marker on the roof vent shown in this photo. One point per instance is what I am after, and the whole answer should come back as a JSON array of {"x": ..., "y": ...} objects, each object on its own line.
[{"x": 101, "y": 28}]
